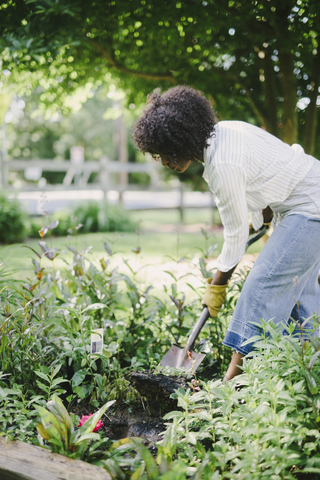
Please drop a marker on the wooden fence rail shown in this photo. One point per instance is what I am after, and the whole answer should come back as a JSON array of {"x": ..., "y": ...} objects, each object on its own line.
[
  {"x": 108, "y": 177},
  {"x": 80, "y": 174}
]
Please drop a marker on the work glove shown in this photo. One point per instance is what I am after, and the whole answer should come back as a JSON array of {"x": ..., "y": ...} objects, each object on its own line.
[{"x": 214, "y": 297}]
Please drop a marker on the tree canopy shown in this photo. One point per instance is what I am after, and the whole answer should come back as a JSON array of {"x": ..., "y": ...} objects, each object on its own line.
[{"x": 258, "y": 60}]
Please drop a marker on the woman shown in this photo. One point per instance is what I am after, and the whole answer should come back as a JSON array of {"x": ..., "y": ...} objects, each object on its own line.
[{"x": 247, "y": 170}]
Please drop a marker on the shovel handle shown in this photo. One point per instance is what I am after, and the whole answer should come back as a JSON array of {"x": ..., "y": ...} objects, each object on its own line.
[
  {"x": 196, "y": 329},
  {"x": 205, "y": 312},
  {"x": 262, "y": 231}
]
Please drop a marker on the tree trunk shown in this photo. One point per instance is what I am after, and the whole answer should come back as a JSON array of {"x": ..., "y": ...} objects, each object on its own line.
[
  {"x": 122, "y": 149},
  {"x": 270, "y": 94},
  {"x": 289, "y": 92}
]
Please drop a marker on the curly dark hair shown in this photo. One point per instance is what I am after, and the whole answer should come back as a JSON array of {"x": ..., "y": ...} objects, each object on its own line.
[{"x": 177, "y": 123}]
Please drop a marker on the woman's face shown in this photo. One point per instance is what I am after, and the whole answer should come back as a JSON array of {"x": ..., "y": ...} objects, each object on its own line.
[{"x": 181, "y": 167}]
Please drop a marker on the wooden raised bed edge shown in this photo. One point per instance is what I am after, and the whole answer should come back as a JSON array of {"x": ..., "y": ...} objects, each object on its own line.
[{"x": 21, "y": 461}]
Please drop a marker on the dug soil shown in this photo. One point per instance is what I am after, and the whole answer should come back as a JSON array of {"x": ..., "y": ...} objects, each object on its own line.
[{"x": 142, "y": 419}]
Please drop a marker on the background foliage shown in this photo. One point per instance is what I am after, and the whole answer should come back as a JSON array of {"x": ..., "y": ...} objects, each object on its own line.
[
  {"x": 92, "y": 217},
  {"x": 16, "y": 225},
  {"x": 255, "y": 59},
  {"x": 13, "y": 220}
]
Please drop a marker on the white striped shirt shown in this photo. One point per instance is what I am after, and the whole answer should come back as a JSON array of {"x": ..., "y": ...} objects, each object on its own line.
[{"x": 248, "y": 169}]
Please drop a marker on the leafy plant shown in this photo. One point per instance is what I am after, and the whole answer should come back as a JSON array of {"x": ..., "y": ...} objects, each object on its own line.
[
  {"x": 12, "y": 220},
  {"x": 51, "y": 383},
  {"x": 92, "y": 216},
  {"x": 269, "y": 425},
  {"x": 57, "y": 429}
]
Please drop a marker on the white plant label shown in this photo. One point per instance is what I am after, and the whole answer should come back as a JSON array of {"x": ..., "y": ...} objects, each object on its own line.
[{"x": 97, "y": 341}]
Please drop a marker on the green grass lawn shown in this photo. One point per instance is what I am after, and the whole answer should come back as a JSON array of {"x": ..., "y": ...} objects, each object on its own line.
[
  {"x": 151, "y": 219},
  {"x": 155, "y": 245}
]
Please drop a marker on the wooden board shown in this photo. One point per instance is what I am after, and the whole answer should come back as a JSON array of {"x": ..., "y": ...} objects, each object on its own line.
[{"x": 21, "y": 461}]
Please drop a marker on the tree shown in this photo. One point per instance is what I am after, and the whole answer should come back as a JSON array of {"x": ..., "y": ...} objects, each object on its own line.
[
  {"x": 94, "y": 127},
  {"x": 256, "y": 59}
]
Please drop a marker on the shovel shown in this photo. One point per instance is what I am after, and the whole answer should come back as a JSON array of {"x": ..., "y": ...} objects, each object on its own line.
[{"x": 186, "y": 358}]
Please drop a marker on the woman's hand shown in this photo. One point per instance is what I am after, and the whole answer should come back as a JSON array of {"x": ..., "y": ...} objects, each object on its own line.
[
  {"x": 216, "y": 290},
  {"x": 267, "y": 215},
  {"x": 214, "y": 297}
]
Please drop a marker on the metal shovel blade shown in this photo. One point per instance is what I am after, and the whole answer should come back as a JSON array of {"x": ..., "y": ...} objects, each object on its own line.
[{"x": 176, "y": 358}]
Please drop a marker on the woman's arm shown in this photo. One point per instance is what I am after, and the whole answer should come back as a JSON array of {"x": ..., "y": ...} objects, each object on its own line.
[{"x": 222, "y": 278}]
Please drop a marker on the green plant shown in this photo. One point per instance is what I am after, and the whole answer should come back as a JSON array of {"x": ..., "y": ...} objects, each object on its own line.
[
  {"x": 270, "y": 425},
  {"x": 92, "y": 216},
  {"x": 57, "y": 429},
  {"x": 12, "y": 220},
  {"x": 51, "y": 383},
  {"x": 103, "y": 217},
  {"x": 268, "y": 428},
  {"x": 128, "y": 458}
]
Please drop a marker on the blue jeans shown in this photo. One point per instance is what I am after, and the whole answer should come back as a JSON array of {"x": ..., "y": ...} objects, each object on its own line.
[{"x": 285, "y": 272}]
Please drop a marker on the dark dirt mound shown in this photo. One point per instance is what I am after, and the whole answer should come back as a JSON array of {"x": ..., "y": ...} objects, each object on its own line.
[
  {"x": 157, "y": 389},
  {"x": 145, "y": 419}
]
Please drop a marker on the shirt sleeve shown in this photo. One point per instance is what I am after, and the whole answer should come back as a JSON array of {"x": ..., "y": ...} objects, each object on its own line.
[
  {"x": 229, "y": 187},
  {"x": 257, "y": 219}
]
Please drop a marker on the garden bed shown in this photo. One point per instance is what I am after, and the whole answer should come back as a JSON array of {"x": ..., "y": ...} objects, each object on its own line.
[{"x": 145, "y": 422}]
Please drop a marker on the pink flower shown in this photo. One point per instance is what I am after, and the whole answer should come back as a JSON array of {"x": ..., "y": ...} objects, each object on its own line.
[{"x": 84, "y": 418}]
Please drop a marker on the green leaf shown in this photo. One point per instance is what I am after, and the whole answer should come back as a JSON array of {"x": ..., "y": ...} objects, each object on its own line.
[
  {"x": 90, "y": 424},
  {"x": 171, "y": 275},
  {"x": 78, "y": 377},
  {"x": 4, "y": 342},
  {"x": 26, "y": 246},
  {"x": 114, "y": 470},
  {"x": 56, "y": 370},
  {"x": 43, "y": 376},
  {"x": 150, "y": 464},
  {"x": 42, "y": 386},
  {"x": 192, "y": 438},
  {"x": 313, "y": 359},
  {"x": 80, "y": 391},
  {"x": 57, "y": 381},
  {"x": 122, "y": 441},
  {"x": 255, "y": 338},
  {"x": 87, "y": 436},
  {"x": 61, "y": 414},
  {"x": 54, "y": 428},
  {"x": 204, "y": 233},
  {"x": 94, "y": 306},
  {"x": 211, "y": 250}
]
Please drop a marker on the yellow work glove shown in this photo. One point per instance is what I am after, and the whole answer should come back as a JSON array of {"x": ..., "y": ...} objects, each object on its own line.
[{"x": 214, "y": 297}]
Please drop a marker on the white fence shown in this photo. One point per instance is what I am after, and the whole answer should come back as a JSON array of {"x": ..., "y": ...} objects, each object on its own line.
[
  {"x": 108, "y": 179},
  {"x": 78, "y": 173}
]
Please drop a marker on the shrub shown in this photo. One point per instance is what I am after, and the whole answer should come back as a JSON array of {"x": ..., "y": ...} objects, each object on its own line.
[
  {"x": 94, "y": 217},
  {"x": 12, "y": 220},
  {"x": 103, "y": 217}
]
